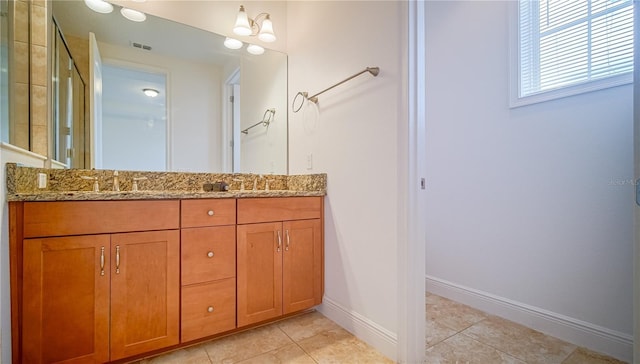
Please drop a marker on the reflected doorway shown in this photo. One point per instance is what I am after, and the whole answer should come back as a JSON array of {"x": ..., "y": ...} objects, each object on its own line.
[{"x": 134, "y": 119}]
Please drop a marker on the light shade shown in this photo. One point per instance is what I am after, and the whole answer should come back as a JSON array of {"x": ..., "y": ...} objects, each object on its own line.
[
  {"x": 266, "y": 31},
  {"x": 232, "y": 43},
  {"x": 151, "y": 92},
  {"x": 255, "y": 49},
  {"x": 99, "y": 6},
  {"x": 133, "y": 15},
  {"x": 242, "y": 26}
]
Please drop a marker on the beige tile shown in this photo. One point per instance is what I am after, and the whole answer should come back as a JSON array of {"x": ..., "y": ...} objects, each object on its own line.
[
  {"x": 452, "y": 314},
  {"x": 242, "y": 346},
  {"x": 21, "y": 62},
  {"x": 290, "y": 354},
  {"x": 192, "y": 355},
  {"x": 339, "y": 346},
  {"x": 462, "y": 349},
  {"x": 519, "y": 341},
  {"x": 584, "y": 356},
  {"x": 21, "y": 21},
  {"x": 39, "y": 141},
  {"x": 38, "y": 65},
  {"x": 307, "y": 325},
  {"x": 39, "y": 105},
  {"x": 437, "y": 332},
  {"x": 39, "y": 25}
]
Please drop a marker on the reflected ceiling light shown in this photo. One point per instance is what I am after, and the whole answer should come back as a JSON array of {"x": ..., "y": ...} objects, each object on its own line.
[
  {"x": 151, "y": 92},
  {"x": 255, "y": 49},
  {"x": 260, "y": 26},
  {"x": 133, "y": 15},
  {"x": 232, "y": 43},
  {"x": 99, "y": 6}
]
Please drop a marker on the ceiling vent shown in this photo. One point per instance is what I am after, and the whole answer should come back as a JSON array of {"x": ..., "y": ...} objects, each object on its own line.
[{"x": 140, "y": 46}]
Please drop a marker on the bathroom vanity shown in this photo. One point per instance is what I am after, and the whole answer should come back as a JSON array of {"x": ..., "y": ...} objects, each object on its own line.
[{"x": 108, "y": 279}]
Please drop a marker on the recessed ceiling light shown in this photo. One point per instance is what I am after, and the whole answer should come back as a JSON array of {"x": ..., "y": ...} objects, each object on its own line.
[
  {"x": 99, "y": 6},
  {"x": 255, "y": 49},
  {"x": 133, "y": 15},
  {"x": 151, "y": 92}
]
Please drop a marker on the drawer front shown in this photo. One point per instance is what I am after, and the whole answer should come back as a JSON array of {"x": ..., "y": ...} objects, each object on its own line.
[
  {"x": 208, "y": 212},
  {"x": 208, "y": 309},
  {"x": 208, "y": 254},
  {"x": 256, "y": 210},
  {"x": 61, "y": 218}
]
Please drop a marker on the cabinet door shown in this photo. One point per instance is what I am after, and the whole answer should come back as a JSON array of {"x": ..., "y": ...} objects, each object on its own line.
[
  {"x": 302, "y": 265},
  {"x": 145, "y": 286},
  {"x": 66, "y": 300},
  {"x": 259, "y": 272}
]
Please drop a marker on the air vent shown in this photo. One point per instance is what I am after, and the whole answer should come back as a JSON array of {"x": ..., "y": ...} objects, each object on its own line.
[{"x": 141, "y": 46}]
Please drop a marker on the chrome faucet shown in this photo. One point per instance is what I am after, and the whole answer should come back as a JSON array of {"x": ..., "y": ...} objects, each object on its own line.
[
  {"x": 96, "y": 187},
  {"x": 116, "y": 182},
  {"x": 241, "y": 180}
]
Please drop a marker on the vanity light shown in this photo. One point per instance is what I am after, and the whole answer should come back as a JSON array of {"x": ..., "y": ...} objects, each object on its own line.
[
  {"x": 99, "y": 6},
  {"x": 260, "y": 26},
  {"x": 151, "y": 92},
  {"x": 232, "y": 43},
  {"x": 133, "y": 15},
  {"x": 255, "y": 49}
]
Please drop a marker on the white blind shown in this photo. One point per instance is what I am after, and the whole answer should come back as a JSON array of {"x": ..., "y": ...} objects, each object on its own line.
[{"x": 568, "y": 42}]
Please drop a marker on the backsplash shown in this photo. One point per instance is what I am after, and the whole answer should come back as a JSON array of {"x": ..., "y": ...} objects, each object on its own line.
[{"x": 24, "y": 180}]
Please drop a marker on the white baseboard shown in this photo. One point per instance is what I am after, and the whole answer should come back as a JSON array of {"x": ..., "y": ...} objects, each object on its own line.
[
  {"x": 597, "y": 338},
  {"x": 364, "y": 329}
]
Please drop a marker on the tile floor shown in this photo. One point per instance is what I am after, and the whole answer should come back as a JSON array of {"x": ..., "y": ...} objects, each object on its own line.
[{"x": 456, "y": 334}]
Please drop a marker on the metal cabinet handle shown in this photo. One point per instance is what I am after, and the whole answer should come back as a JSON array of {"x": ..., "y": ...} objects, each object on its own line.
[
  {"x": 117, "y": 259},
  {"x": 210, "y": 254},
  {"x": 102, "y": 261},
  {"x": 279, "y": 241},
  {"x": 288, "y": 241},
  {"x": 210, "y": 212},
  {"x": 210, "y": 309}
]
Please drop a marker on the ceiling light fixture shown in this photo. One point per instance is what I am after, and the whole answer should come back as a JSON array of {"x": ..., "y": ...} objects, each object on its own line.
[
  {"x": 133, "y": 15},
  {"x": 260, "y": 26},
  {"x": 151, "y": 92},
  {"x": 99, "y": 6}
]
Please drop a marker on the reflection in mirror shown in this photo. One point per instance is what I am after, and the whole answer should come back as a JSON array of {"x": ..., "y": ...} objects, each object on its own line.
[
  {"x": 205, "y": 83},
  {"x": 4, "y": 71}
]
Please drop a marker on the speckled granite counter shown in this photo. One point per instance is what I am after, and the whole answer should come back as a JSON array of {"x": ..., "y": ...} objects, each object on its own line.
[{"x": 67, "y": 184}]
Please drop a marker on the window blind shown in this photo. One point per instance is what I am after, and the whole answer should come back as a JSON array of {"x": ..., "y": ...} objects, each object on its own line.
[{"x": 568, "y": 42}]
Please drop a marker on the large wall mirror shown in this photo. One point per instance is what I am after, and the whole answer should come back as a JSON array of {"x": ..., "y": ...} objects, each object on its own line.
[{"x": 160, "y": 95}]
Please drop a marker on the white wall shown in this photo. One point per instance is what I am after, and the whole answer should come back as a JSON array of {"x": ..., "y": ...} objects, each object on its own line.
[
  {"x": 194, "y": 94},
  {"x": 529, "y": 206},
  {"x": 354, "y": 139},
  {"x": 263, "y": 85},
  {"x": 9, "y": 154}
]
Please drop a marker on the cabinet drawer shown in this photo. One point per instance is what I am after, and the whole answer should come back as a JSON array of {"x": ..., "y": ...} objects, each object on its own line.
[
  {"x": 208, "y": 254},
  {"x": 208, "y": 309},
  {"x": 61, "y": 218},
  {"x": 208, "y": 212},
  {"x": 255, "y": 210}
]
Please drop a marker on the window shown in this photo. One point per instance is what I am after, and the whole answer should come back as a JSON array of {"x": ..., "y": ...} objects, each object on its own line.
[{"x": 567, "y": 47}]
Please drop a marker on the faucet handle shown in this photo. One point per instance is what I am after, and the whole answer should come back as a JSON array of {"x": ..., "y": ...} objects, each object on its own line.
[
  {"x": 241, "y": 180},
  {"x": 96, "y": 187},
  {"x": 266, "y": 184},
  {"x": 134, "y": 184}
]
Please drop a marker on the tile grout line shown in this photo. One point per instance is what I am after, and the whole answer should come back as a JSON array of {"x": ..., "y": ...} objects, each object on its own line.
[{"x": 298, "y": 345}]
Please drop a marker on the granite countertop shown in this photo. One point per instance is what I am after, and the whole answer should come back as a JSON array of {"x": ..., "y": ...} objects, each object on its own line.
[{"x": 69, "y": 185}]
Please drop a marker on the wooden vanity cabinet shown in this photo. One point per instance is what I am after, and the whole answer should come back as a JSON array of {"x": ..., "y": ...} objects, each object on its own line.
[
  {"x": 280, "y": 257},
  {"x": 89, "y": 290},
  {"x": 208, "y": 255}
]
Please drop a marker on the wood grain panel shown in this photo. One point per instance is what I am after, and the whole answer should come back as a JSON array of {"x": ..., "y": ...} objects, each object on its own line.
[
  {"x": 60, "y": 218},
  {"x": 208, "y": 212},
  {"x": 259, "y": 272},
  {"x": 256, "y": 210},
  {"x": 197, "y": 243},
  {"x": 66, "y": 300},
  {"x": 145, "y": 292},
  {"x": 197, "y": 322}
]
